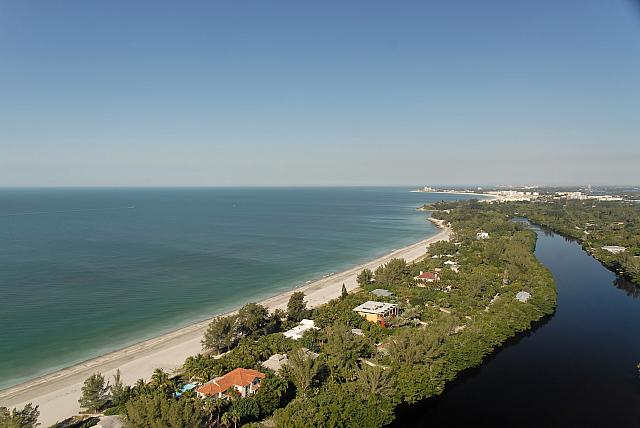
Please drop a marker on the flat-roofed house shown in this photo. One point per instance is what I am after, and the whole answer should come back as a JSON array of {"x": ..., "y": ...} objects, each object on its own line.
[
  {"x": 381, "y": 292},
  {"x": 276, "y": 362},
  {"x": 244, "y": 381},
  {"x": 615, "y": 249},
  {"x": 376, "y": 312},
  {"x": 298, "y": 331}
]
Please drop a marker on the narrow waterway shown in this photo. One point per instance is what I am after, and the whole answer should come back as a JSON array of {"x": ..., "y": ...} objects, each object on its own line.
[{"x": 577, "y": 368}]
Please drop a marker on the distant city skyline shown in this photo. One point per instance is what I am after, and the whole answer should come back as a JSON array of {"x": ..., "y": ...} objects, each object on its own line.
[{"x": 331, "y": 93}]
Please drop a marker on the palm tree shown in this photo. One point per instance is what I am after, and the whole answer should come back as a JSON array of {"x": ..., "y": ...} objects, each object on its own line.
[
  {"x": 278, "y": 384},
  {"x": 140, "y": 387},
  {"x": 229, "y": 418},
  {"x": 375, "y": 381},
  {"x": 303, "y": 370},
  {"x": 159, "y": 377},
  {"x": 213, "y": 409},
  {"x": 161, "y": 382}
]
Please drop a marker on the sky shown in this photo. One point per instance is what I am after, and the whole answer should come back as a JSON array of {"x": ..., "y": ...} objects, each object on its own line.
[{"x": 244, "y": 93}]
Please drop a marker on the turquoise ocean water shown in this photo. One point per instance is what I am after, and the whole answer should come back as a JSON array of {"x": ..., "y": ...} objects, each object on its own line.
[{"x": 87, "y": 271}]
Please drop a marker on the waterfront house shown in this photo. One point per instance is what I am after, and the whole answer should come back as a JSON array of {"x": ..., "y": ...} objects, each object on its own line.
[
  {"x": 244, "y": 381},
  {"x": 523, "y": 296},
  {"x": 376, "y": 312},
  {"x": 296, "y": 332},
  {"x": 427, "y": 277},
  {"x": 615, "y": 249},
  {"x": 482, "y": 235}
]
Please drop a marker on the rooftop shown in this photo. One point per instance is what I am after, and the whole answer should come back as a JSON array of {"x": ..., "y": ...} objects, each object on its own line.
[
  {"x": 614, "y": 248},
  {"x": 297, "y": 331},
  {"x": 239, "y": 377},
  {"x": 371, "y": 307},
  {"x": 275, "y": 362},
  {"x": 426, "y": 275},
  {"x": 381, "y": 292}
]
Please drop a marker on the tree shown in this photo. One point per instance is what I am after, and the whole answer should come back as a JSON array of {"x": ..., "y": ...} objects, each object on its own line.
[
  {"x": 272, "y": 393},
  {"x": 375, "y": 381},
  {"x": 155, "y": 411},
  {"x": 302, "y": 369},
  {"x": 337, "y": 406},
  {"x": 140, "y": 388},
  {"x": 160, "y": 382},
  {"x": 364, "y": 278},
  {"x": 231, "y": 418},
  {"x": 95, "y": 393},
  {"x": 26, "y": 417},
  {"x": 222, "y": 334},
  {"x": 200, "y": 367},
  {"x": 344, "y": 349},
  {"x": 213, "y": 410},
  {"x": 274, "y": 321},
  {"x": 252, "y": 320},
  {"x": 296, "y": 307},
  {"x": 244, "y": 410},
  {"x": 394, "y": 272},
  {"x": 119, "y": 392},
  {"x": 344, "y": 293}
]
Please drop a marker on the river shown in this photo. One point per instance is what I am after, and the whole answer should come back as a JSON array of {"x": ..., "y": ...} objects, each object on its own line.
[{"x": 577, "y": 367}]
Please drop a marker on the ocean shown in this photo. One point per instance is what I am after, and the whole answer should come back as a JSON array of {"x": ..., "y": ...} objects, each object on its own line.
[{"x": 85, "y": 271}]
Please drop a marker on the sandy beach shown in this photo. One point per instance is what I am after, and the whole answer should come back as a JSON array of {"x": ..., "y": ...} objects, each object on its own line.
[
  {"x": 483, "y": 197},
  {"x": 57, "y": 393}
]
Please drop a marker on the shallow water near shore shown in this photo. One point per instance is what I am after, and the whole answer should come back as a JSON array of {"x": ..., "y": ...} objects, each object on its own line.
[
  {"x": 576, "y": 368},
  {"x": 88, "y": 271}
]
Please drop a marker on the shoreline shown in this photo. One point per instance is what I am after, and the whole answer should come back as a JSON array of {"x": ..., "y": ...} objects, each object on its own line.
[
  {"x": 484, "y": 196},
  {"x": 56, "y": 393}
]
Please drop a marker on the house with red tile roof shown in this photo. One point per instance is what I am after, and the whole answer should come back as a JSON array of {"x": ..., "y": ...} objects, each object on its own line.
[
  {"x": 427, "y": 277},
  {"x": 245, "y": 381}
]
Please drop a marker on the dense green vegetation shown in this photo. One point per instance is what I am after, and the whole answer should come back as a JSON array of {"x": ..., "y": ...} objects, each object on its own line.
[
  {"x": 26, "y": 417},
  {"x": 95, "y": 393},
  {"x": 443, "y": 328},
  {"x": 594, "y": 224},
  {"x": 339, "y": 377}
]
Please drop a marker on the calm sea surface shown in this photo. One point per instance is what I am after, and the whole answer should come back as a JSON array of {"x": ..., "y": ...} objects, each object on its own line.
[
  {"x": 86, "y": 271},
  {"x": 577, "y": 368}
]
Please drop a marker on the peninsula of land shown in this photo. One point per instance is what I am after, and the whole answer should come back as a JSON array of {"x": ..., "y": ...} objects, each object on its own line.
[{"x": 57, "y": 394}]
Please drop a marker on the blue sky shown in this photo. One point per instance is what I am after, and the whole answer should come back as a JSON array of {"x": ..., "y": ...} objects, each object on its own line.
[{"x": 319, "y": 93}]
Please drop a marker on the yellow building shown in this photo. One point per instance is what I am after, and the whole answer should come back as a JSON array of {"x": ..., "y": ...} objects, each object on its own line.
[{"x": 376, "y": 312}]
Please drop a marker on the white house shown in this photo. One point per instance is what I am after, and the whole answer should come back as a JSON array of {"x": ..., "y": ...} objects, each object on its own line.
[
  {"x": 452, "y": 265},
  {"x": 296, "y": 332},
  {"x": 482, "y": 235},
  {"x": 523, "y": 296},
  {"x": 615, "y": 249}
]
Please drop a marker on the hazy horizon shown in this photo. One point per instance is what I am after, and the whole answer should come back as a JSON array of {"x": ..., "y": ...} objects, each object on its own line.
[
  {"x": 378, "y": 185},
  {"x": 163, "y": 94}
]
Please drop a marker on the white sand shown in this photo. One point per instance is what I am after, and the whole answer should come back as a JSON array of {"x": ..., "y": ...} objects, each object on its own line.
[{"x": 57, "y": 394}]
